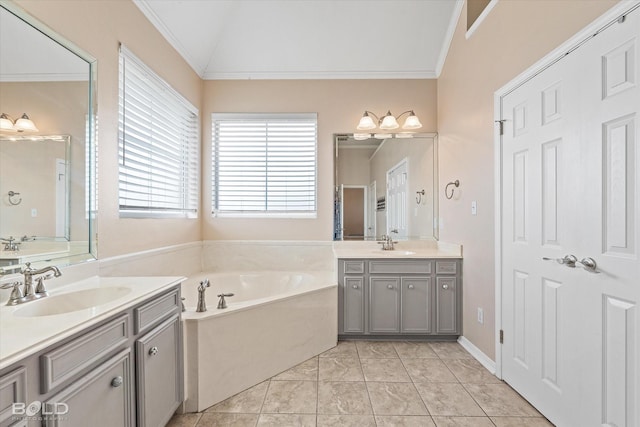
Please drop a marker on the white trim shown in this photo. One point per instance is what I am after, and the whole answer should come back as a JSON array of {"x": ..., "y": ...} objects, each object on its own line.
[
  {"x": 169, "y": 36},
  {"x": 579, "y": 38},
  {"x": 448, "y": 37},
  {"x": 478, "y": 354},
  {"x": 318, "y": 75},
  {"x": 488, "y": 8}
]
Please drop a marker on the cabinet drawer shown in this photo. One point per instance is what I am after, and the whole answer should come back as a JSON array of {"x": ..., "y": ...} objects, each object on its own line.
[
  {"x": 446, "y": 267},
  {"x": 160, "y": 308},
  {"x": 12, "y": 390},
  {"x": 75, "y": 356},
  {"x": 400, "y": 267},
  {"x": 353, "y": 267}
]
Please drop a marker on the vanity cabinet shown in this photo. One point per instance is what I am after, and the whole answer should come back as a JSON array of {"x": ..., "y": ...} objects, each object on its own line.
[
  {"x": 399, "y": 298},
  {"x": 125, "y": 371}
]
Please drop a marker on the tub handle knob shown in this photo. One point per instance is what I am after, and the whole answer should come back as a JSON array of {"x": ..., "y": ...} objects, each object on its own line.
[{"x": 222, "y": 303}]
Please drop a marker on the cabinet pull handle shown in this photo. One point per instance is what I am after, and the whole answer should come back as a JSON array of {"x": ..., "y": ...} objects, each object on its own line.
[
  {"x": 355, "y": 286},
  {"x": 153, "y": 351},
  {"x": 410, "y": 286},
  {"x": 445, "y": 286},
  {"x": 389, "y": 286},
  {"x": 116, "y": 382}
]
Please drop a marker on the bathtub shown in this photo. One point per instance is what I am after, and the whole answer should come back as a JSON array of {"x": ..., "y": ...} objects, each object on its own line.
[{"x": 274, "y": 321}]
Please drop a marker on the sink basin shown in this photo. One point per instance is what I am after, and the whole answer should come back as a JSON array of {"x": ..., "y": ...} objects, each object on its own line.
[
  {"x": 72, "y": 301},
  {"x": 394, "y": 252}
]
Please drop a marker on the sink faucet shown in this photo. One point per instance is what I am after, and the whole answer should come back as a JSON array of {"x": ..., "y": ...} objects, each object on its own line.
[
  {"x": 10, "y": 244},
  {"x": 29, "y": 291},
  {"x": 387, "y": 243},
  {"x": 202, "y": 304}
]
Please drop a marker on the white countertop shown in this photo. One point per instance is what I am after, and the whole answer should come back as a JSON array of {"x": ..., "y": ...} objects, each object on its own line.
[
  {"x": 409, "y": 249},
  {"x": 21, "y": 336}
]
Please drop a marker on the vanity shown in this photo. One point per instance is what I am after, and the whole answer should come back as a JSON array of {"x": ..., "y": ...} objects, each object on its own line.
[
  {"x": 107, "y": 349},
  {"x": 399, "y": 294}
]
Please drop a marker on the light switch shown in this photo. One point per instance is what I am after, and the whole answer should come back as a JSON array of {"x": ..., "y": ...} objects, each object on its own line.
[
  {"x": 34, "y": 212},
  {"x": 474, "y": 208}
]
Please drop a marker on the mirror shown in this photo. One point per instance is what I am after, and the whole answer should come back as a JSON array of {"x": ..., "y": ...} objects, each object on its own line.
[
  {"x": 385, "y": 186},
  {"x": 47, "y": 176}
]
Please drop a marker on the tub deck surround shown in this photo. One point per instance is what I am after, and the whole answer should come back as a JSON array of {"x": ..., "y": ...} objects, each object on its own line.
[
  {"x": 410, "y": 249},
  {"x": 21, "y": 336},
  {"x": 278, "y": 320}
]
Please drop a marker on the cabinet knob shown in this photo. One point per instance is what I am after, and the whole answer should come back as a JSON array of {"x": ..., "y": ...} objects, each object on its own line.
[
  {"x": 389, "y": 286},
  {"x": 355, "y": 286},
  {"x": 116, "y": 382},
  {"x": 410, "y": 286},
  {"x": 153, "y": 351},
  {"x": 445, "y": 286}
]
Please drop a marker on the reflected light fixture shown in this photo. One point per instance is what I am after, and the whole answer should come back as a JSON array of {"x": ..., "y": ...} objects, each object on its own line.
[
  {"x": 389, "y": 121},
  {"x": 23, "y": 124}
]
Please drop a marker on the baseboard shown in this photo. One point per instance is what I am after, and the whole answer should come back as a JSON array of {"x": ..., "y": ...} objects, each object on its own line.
[{"x": 478, "y": 354}]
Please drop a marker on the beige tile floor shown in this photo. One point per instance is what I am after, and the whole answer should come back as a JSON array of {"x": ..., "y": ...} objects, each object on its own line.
[{"x": 367, "y": 383}]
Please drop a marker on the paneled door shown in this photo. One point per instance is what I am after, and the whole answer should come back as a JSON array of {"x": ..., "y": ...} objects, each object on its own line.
[
  {"x": 570, "y": 269},
  {"x": 397, "y": 216}
]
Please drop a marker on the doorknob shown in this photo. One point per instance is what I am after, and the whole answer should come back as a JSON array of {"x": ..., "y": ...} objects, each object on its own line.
[
  {"x": 589, "y": 264},
  {"x": 568, "y": 260}
]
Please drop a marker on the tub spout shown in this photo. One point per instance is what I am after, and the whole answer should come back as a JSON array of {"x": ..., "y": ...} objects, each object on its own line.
[
  {"x": 202, "y": 304},
  {"x": 222, "y": 303}
]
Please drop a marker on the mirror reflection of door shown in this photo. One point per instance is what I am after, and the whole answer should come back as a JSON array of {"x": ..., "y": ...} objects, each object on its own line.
[
  {"x": 370, "y": 231},
  {"x": 354, "y": 212},
  {"x": 397, "y": 179}
]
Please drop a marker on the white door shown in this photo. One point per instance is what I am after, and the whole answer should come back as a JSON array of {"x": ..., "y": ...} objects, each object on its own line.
[
  {"x": 397, "y": 179},
  {"x": 370, "y": 232},
  {"x": 569, "y": 185}
]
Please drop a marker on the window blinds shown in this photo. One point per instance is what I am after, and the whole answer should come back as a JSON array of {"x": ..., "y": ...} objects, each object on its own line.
[
  {"x": 264, "y": 164},
  {"x": 158, "y": 145}
]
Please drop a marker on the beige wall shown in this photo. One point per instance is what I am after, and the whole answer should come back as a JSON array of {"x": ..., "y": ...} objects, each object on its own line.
[
  {"x": 514, "y": 36},
  {"x": 98, "y": 27},
  {"x": 352, "y": 166},
  {"x": 339, "y": 104}
]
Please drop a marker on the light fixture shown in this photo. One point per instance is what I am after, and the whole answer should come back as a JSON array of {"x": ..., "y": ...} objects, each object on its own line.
[
  {"x": 389, "y": 121},
  {"x": 6, "y": 124},
  {"x": 24, "y": 123}
]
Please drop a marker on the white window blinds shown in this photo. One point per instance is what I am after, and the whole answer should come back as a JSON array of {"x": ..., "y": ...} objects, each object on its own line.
[
  {"x": 158, "y": 145},
  {"x": 264, "y": 164}
]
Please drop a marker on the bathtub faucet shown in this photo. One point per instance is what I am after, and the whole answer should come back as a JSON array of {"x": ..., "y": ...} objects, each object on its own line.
[
  {"x": 202, "y": 304},
  {"x": 222, "y": 303}
]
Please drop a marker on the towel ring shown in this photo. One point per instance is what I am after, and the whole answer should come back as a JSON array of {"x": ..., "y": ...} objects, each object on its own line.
[
  {"x": 419, "y": 196},
  {"x": 13, "y": 194},
  {"x": 456, "y": 183}
]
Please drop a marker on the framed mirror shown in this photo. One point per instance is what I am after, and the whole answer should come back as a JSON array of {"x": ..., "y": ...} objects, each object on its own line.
[
  {"x": 385, "y": 186},
  {"x": 47, "y": 173}
]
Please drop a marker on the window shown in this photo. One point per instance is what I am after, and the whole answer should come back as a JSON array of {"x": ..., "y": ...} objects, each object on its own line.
[
  {"x": 264, "y": 165},
  {"x": 158, "y": 145}
]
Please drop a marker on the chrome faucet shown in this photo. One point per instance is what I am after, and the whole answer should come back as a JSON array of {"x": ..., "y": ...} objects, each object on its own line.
[
  {"x": 29, "y": 291},
  {"x": 222, "y": 303},
  {"x": 387, "y": 243},
  {"x": 10, "y": 244},
  {"x": 202, "y": 304}
]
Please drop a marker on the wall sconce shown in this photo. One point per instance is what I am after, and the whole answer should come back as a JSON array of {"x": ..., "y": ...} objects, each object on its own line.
[
  {"x": 389, "y": 121},
  {"x": 23, "y": 124}
]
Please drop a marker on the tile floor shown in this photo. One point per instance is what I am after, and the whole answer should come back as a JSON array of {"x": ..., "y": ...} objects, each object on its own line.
[{"x": 367, "y": 383}]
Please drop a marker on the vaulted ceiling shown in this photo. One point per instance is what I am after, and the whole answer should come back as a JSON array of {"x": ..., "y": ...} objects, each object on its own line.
[{"x": 302, "y": 39}]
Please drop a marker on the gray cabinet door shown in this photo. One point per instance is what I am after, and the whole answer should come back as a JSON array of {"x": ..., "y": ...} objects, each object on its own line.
[
  {"x": 102, "y": 397},
  {"x": 384, "y": 304},
  {"x": 446, "y": 305},
  {"x": 353, "y": 304},
  {"x": 159, "y": 373},
  {"x": 416, "y": 305}
]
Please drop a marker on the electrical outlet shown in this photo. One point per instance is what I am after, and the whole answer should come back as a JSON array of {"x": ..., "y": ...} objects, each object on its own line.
[{"x": 480, "y": 316}]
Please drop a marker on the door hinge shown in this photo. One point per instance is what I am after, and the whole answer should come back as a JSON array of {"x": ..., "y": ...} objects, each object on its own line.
[
  {"x": 501, "y": 123},
  {"x": 501, "y": 336}
]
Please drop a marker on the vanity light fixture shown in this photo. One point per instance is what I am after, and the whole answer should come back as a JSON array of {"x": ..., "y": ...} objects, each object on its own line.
[
  {"x": 23, "y": 124},
  {"x": 388, "y": 121}
]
